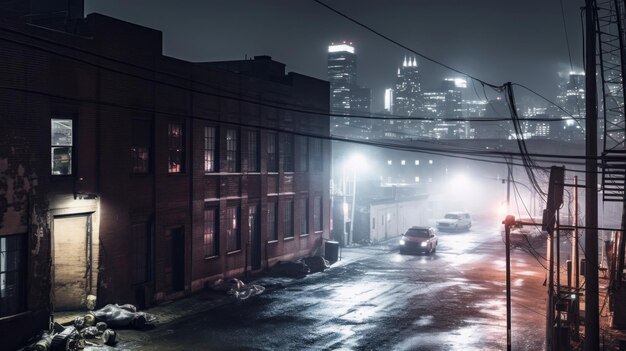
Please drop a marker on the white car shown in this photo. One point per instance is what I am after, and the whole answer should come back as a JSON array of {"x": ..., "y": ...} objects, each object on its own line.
[{"x": 454, "y": 221}]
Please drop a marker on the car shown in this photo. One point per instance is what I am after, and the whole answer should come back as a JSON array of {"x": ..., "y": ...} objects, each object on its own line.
[
  {"x": 525, "y": 236},
  {"x": 454, "y": 221},
  {"x": 419, "y": 239}
]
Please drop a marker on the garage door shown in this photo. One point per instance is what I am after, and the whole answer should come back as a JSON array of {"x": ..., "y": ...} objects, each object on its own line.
[{"x": 70, "y": 262}]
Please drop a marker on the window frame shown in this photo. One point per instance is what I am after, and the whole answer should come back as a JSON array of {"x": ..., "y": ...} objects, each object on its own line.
[
  {"x": 303, "y": 205},
  {"x": 272, "y": 152},
  {"x": 318, "y": 214},
  {"x": 180, "y": 152},
  {"x": 288, "y": 217},
  {"x": 253, "y": 151},
  {"x": 272, "y": 219},
  {"x": 233, "y": 228},
  {"x": 15, "y": 303},
  {"x": 136, "y": 145},
  {"x": 302, "y": 148},
  {"x": 288, "y": 152},
  {"x": 211, "y": 239},
  {"x": 56, "y": 146},
  {"x": 211, "y": 149},
  {"x": 231, "y": 144}
]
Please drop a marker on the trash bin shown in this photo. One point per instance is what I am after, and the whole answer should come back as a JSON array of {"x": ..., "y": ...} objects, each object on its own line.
[{"x": 331, "y": 251}]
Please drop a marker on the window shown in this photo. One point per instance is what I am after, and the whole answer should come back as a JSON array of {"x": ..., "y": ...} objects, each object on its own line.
[
  {"x": 417, "y": 162},
  {"x": 210, "y": 149},
  {"x": 288, "y": 152},
  {"x": 430, "y": 162},
  {"x": 61, "y": 135},
  {"x": 302, "y": 161},
  {"x": 176, "y": 157},
  {"x": 141, "y": 132},
  {"x": 253, "y": 151},
  {"x": 417, "y": 179},
  {"x": 272, "y": 233},
  {"x": 288, "y": 219},
  {"x": 211, "y": 237},
  {"x": 389, "y": 162},
  {"x": 373, "y": 223},
  {"x": 232, "y": 150},
  {"x": 403, "y": 162},
  {"x": 233, "y": 237},
  {"x": 316, "y": 156},
  {"x": 272, "y": 160},
  {"x": 317, "y": 214},
  {"x": 12, "y": 274},
  {"x": 304, "y": 216}
]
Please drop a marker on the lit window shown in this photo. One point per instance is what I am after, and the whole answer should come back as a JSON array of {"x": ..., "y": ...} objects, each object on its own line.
[
  {"x": 389, "y": 162},
  {"x": 176, "y": 154},
  {"x": 233, "y": 237},
  {"x": 430, "y": 162},
  {"x": 417, "y": 179},
  {"x": 417, "y": 162},
  {"x": 211, "y": 239},
  {"x": 62, "y": 146},
  {"x": 210, "y": 149},
  {"x": 403, "y": 162},
  {"x": 232, "y": 149}
]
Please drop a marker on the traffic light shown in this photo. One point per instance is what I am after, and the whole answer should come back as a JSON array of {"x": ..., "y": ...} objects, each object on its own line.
[{"x": 555, "y": 198}]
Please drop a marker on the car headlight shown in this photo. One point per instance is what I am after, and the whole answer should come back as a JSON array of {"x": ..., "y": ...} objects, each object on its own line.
[
  {"x": 424, "y": 243},
  {"x": 402, "y": 241}
]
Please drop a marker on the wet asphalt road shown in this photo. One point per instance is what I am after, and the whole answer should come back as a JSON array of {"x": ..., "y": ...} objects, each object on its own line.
[{"x": 453, "y": 299}]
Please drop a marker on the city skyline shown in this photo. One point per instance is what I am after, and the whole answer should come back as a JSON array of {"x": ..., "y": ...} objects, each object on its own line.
[{"x": 460, "y": 35}]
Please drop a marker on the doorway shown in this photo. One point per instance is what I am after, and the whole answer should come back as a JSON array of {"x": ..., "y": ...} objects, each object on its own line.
[
  {"x": 175, "y": 268},
  {"x": 71, "y": 261}
]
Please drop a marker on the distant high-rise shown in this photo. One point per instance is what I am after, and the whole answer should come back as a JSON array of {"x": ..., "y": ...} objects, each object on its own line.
[
  {"x": 407, "y": 94},
  {"x": 571, "y": 97},
  {"x": 346, "y": 96}
]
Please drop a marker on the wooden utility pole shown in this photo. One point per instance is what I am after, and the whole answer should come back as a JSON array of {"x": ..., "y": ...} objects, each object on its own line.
[{"x": 592, "y": 315}]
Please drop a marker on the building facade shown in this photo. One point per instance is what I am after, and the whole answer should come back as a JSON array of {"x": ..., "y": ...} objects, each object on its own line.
[{"x": 127, "y": 176}]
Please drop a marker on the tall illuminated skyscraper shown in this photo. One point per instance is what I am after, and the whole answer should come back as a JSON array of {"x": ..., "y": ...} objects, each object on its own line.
[{"x": 346, "y": 96}]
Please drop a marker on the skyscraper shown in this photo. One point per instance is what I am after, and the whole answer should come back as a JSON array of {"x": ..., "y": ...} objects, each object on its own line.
[
  {"x": 346, "y": 96},
  {"x": 407, "y": 94}
]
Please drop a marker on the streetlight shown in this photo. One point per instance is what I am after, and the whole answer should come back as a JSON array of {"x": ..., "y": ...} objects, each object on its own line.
[{"x": 355, "y": 162}]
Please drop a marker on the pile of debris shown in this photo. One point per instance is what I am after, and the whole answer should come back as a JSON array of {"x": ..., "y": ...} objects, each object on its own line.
[
  {"x": 300, "y": 268},
  {"x": 92, "y": 329},
  {"x": 237, "y": 289}
]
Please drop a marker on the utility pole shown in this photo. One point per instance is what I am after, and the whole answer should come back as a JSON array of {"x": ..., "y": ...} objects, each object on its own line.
[
  {"x": 575, "y": 260},
  {"x": 592, "y": 315}
]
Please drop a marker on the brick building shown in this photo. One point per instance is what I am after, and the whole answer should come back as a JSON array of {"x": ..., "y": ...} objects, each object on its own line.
[{"x": 135, "y": 177}]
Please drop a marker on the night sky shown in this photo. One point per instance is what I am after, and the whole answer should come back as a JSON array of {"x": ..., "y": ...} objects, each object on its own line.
[{"x": 495, "y": 40}]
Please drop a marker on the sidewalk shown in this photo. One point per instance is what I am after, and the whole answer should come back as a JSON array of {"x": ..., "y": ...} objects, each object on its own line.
[{"x": 202, "y": 301}]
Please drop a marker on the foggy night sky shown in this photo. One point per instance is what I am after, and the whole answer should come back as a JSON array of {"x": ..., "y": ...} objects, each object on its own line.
[{"x": 522, "y": 41}]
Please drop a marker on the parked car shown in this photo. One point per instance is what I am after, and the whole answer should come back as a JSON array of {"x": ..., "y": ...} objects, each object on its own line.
[
  {"x": 419, "y": 239},
  {"x": 454, "y": 221},
  {"x": 527, "y": 235}
]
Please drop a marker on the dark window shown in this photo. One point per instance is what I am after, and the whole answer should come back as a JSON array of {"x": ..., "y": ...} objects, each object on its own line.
[
  {"x": 12, "y": 274},
  {"x": 62, "y": 141},
  {"x": 315, "y": 154},
  {"x": 317, "y": 214},
  {"x": 373, "y": 223},
  {"x": 272, "y": 232},
  {"x": 302, "y": 161},
  {"x": 253, "y": 151},
  {"x": 288, "y": 219},
  {"x": 232, "y": 150},
  {"x": 272, "y": 160},
  {"x": 287, "y": 152},
  {"x": 233, "y": 237},
  {"x": 176, "y": 157},
  {"x": 211, "y": 238},
  {"x": 141, "y": 132},
  {"x": 210, "y": 149},
  {"x": 304, "y": 216}
]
